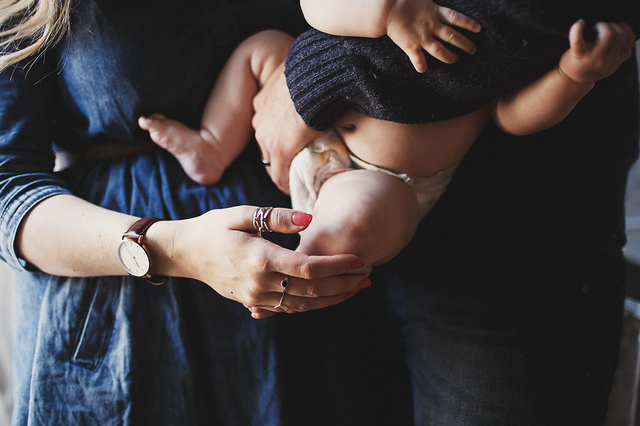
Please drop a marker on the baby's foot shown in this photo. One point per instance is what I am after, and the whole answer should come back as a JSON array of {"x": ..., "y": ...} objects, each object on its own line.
[{"x": 201, "y": 160}]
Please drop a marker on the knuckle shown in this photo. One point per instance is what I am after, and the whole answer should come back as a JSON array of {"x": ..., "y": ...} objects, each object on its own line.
[
  {"x": 251, "y": 299},
  {"x": 450, "y": 15},
  {"x": 258, "y": 258},
  {"x": 312, "y": 292},
  {"x": 303, "y": 307},
  {"x": 606, "y": 32},
  {"x": 253, "y": 292},
  {"x": 306, "y": 270},
  {"x": 448, "y": 36},
  {"x": 277, "y": 219},
  {"x": 437, "y": 50}
]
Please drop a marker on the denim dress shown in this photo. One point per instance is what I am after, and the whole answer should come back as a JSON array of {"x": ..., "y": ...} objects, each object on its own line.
[{"x": 116, "y": 350}]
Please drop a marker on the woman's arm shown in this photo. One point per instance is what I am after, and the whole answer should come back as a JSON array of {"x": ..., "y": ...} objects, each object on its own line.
[
  {"x": 549, "y": 99},
  {"x": 64, "y": 235},
  {"x": 414, "y": 25}
]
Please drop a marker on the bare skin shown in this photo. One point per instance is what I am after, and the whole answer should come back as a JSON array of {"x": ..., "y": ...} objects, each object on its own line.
[
  {"x": 65, "y": 235},
  {"x": 414, "y": 25},
  {"x": 349, "y": 205}
]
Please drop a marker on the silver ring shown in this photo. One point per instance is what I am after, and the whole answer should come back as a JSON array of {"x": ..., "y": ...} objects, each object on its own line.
[
  {"x": 260, "y": 219},
  {"x": 279, "y": 305},
  {"x": 266, "y": 163}
]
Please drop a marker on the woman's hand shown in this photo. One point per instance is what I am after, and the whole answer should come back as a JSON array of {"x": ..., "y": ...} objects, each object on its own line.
[
  {"x": 280, "y": 131},
  {"x": 223, "y": 249}
]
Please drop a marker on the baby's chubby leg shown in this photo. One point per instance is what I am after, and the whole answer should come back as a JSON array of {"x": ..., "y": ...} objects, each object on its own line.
[
  {"x": 364, "y": 212},
  {"x": 198, "y": 152}
]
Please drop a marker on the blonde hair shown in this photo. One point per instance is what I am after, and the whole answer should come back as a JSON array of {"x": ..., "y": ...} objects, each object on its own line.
[{"x": 28, "y": 27}]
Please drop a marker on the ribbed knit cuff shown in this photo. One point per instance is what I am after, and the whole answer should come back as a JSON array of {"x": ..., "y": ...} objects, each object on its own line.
[
  {"x": 321, "y": 76},
  {"x": 327, "y": 73}
]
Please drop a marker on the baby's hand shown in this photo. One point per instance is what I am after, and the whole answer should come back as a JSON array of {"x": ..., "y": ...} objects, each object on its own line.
[
  {"x": 418, "y": 25},
  {"x": 589, "y": 62}
]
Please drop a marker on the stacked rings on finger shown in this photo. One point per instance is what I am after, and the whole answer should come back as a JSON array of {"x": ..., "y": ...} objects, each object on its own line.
[
  {"x": 284, "y": 283},
  {"x": 260, "y": 217}
]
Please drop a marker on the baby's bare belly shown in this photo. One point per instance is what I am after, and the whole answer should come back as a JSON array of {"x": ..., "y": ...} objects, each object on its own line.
[{"x": 418, "y": 150}]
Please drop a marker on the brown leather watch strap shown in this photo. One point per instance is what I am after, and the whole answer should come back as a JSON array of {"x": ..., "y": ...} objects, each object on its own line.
[{"x": 136, "y": 232}]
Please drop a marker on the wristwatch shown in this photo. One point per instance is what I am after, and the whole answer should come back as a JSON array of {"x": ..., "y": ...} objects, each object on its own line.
[{"x": 134, "y": 256}]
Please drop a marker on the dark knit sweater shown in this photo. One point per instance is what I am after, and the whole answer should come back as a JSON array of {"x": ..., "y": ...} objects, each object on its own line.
[{"x": 519, "y": 41}]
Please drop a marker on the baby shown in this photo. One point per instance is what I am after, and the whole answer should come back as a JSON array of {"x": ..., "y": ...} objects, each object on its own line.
[{"x": 369, "y": 182}]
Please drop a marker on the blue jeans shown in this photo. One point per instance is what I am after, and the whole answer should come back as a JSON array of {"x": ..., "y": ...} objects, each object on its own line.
[{"x": 513, "y": 339}]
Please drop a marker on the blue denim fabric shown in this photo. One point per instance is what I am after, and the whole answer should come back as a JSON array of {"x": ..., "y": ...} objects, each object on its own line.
[
  {"x": 116, "y": 350},
  {"x": 536, "y": 350}
]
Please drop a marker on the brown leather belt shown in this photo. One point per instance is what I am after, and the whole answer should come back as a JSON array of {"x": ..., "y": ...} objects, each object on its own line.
[{"x": 102, "y": 151}]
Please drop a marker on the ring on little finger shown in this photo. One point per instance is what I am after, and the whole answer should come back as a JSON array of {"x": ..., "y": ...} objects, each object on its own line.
[
  {"x": 265, "y": 162},
  {"x": 260, "y": 217},
  {"x": 280, "y": 305}
]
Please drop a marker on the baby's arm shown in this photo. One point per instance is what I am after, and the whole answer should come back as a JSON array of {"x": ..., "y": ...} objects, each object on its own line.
[
  {"x": 365, "y": 212},
  {"x": 225, "y": 127},
  {"x": 413, "y": 25},
  {"x": 549, "y": 99}
]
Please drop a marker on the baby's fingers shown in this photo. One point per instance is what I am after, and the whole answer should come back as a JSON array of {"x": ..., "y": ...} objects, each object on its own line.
[
  {"x": 457, "y": 19},
  {"x": 454, "y": 38},
  {"x": 417, "y": 58},
  {"x": 576, "y": 38},
  {"x": 440, "y": 52},
  {"x": 617, "y": 39}
]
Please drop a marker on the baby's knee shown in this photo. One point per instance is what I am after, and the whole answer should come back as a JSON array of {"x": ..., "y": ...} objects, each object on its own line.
[{"x": 362, "y": 212}]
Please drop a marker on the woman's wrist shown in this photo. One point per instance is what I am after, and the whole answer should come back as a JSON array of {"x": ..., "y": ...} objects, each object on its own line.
[{"x": 160, "y": 241}]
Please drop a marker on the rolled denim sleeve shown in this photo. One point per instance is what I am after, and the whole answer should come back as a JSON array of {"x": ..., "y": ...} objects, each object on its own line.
[{"x": 27, "y": 121}]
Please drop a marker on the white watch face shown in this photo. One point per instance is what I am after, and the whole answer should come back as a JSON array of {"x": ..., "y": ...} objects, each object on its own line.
[{"x": 134, "y": 258}]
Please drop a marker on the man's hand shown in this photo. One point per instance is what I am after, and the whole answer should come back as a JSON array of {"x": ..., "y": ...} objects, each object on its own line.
[{"x": 280, "y": 131}]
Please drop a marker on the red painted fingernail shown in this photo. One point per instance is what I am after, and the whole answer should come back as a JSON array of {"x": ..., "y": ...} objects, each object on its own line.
[
  {"x": 301, "y": 219},
  {"x": 350, "y": 294},
  {"x": 364, "y": 284},
  {"x": 357, "y": 264}
]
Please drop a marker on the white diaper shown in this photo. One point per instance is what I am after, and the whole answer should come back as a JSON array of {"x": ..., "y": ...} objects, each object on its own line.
[{"x": 327, "y": 155}]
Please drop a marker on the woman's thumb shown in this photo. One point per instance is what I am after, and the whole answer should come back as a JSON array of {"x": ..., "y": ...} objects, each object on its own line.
[
  {"x": 269, "y": 219},
  {"x": 287, "y": 221}
]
